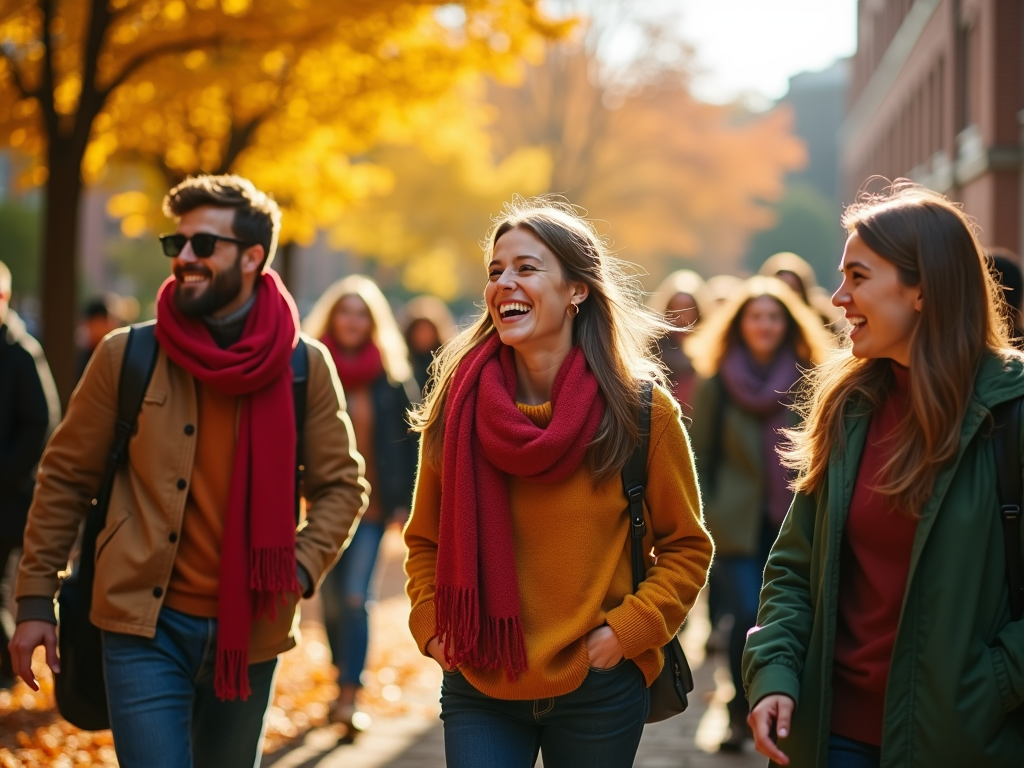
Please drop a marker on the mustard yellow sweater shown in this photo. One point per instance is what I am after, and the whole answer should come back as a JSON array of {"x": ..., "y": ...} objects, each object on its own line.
[{"x": 573, "y": 562}]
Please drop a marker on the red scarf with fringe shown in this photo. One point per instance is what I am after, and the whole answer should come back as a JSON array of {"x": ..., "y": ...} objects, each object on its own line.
[
  {"x": 488, "y": 438},
  {"x": 257, "y": 564},
  {"x": 355, "y": 370}
]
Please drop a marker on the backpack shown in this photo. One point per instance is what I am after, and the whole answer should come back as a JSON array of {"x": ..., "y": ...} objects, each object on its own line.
[{"x": 79, "y": 687}]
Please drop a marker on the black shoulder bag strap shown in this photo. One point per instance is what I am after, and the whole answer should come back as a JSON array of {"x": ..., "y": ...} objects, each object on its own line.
[
  {"x": 300, "y": 380},
  {"x": 634, "y": 478},
  {"x": 136, "y": 370},
  {"x": 1006, "y": 444}
]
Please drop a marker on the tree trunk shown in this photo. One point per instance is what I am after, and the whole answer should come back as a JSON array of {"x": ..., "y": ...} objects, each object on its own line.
[{"x": 60, "y": 265}]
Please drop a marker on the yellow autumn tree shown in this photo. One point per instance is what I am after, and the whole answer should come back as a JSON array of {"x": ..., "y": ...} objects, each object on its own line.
[{"x": 290, "y": 92}]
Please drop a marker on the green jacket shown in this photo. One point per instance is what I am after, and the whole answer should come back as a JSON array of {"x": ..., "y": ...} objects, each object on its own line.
[
  {"x": 956, "y": 683},
  {"x": 732, "y": 484}
]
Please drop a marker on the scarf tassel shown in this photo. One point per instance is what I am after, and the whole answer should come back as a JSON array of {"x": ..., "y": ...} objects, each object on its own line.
[
  {"x": 273, "y": 574},
  {"x": 494, "y": 643},
  {"x": 231, "y": 676}
]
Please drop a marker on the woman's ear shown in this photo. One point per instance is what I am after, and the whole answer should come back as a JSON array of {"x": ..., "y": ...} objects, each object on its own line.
[
  {"x": 580, "y": 291},
  {"x": 919, "y": 300}
]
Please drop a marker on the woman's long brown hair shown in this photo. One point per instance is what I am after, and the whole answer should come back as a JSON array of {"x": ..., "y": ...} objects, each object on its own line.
[
  {"x": 932, "y": 244},
  {"x": 616, "y": 332}
]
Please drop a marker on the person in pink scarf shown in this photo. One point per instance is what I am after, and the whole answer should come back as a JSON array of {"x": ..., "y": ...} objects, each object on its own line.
[
  {"x": 353, "y": 320},
  {"x": 520, "y": 570},
  {"x": 749, "y": 354}
]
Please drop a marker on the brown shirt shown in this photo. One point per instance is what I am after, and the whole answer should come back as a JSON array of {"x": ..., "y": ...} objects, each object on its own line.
[{"x": 196, "y": 575}]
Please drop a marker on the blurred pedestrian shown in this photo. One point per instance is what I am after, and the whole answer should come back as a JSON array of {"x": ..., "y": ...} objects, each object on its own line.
[
  {"x": 799, "y": 275},
  {"x": 100, "y": 316},
  {"x": 718, "y": 290},
  {"x": 677, "y": 300},
  {"x": 200, "y": 566},
  {"x": 884, "y": 634},
  {"x": 749, "y": 355},
  {"x": 519, "y": 558},
  {"x": 353, "y": 320},
  {"x": 29, "y": 411},
  {"x": 428, "y": 324},
  {"x": 1005, "y": 267}
]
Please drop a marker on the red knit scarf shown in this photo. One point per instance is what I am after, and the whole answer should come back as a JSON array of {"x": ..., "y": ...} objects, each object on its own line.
[
  {"x": 487, "y": 438},
  {"x": 257, "y": 565},
  {"x": 358, "y": 370}
]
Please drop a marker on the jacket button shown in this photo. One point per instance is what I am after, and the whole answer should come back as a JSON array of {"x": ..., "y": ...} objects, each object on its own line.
[
  {"x": 181, "y": 484},
  {"x": 189, "y": 429},
  {"x": 173, "y": 537},
  {"x": 157, "y": 591}
]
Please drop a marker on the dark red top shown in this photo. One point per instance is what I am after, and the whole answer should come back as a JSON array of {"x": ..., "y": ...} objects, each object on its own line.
[{"x": 875, "y": 564}]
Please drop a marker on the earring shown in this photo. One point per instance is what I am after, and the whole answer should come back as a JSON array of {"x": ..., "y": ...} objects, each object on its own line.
[{"x": 569, "y": 312}]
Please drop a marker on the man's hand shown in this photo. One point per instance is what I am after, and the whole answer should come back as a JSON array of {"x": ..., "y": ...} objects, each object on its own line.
[
  {"x": 603, "y": 647},
  {"x": 28, "y": 636},
  {"x": 436, "y": 649},
  {"x": 775, "y": 710}
]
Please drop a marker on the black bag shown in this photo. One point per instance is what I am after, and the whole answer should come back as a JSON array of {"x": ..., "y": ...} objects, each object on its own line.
[
  {"x": 80, "y": 688},
  {"x": 668, "y": 691},
  {"x": 1006, "y": 436}
]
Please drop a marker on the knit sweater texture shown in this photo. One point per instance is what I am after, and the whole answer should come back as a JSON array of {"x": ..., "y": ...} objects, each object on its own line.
[
  {"x": 873, "y": 577},
  {"x": 573, "y": 563}
]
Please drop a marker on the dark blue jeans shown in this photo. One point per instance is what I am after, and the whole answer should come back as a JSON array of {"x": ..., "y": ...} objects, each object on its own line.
[
  {"x": 598, "y": 724},
  {"x": 343, "y": 596},
  {"x": 163, "y": 710},
  {"x": 847, "y": 753}
]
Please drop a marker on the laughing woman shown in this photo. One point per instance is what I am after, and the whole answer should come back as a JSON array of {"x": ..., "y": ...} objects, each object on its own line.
[
  {"x": 519, "y": 562},
  {"x": 884, "y": 635}
]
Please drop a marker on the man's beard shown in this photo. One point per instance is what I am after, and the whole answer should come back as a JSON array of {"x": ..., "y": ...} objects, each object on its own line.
[{"x": 223, "y": 288}]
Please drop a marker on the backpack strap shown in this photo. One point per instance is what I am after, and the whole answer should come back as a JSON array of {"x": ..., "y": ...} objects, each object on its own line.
[
  {"x": 634, "y": 478},
  {"x": 300, "y": 381},
  {"x": 140, "y": 355},
  {"x": 1006, "y": 444}
]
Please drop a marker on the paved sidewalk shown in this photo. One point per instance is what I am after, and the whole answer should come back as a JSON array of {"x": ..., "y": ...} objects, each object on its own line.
[{"x": 415, "y": 739}]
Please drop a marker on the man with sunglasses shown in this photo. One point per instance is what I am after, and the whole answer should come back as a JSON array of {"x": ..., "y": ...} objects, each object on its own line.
[{"x": 200, "y": 565}]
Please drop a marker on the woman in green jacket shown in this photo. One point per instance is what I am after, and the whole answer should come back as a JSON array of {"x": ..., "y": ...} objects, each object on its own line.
[
  {"x": 884, "y": 635},
  {"x": 750, "y": 353}
]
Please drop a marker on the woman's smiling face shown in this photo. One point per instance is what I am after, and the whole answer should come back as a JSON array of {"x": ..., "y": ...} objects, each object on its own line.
[
  {"x": 527, "y": 295},
  {"x": 882, "y": 311}
]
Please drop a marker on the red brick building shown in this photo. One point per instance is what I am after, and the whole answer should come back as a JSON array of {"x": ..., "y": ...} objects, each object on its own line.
[{"x": 937, "y": 95}]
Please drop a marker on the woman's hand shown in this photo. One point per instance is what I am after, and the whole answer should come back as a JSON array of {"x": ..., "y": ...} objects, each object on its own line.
[
  {"x": 775, "y": 710},
  {"x": 603, "y": 647},
  {"x": 436, "y": 649}
]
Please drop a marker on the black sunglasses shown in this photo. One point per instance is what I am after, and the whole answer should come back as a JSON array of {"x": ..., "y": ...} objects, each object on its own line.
[{"x": 203, "y": 243}]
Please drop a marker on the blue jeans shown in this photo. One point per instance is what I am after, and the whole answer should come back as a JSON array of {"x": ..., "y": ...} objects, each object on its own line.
[
  {"x": 343, "y": 595},
  {"x": 163, "y": 710},
  {"x": 847, "y": 753},
  {"x": 598, "y": 724}
]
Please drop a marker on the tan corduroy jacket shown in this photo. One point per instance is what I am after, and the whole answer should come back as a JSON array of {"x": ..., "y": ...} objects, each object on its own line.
[{"x": 135, "y": 551}]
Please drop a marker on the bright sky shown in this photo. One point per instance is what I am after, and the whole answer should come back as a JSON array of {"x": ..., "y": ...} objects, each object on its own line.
[{"x": 747, "y": 46}]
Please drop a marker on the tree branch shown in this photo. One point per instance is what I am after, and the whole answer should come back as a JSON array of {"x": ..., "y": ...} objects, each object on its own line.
[
  {"x": 141, "y": 59},
  {"x": 239, "y": 140},
  {"x": 45, "y": 94},
  {"x": 16, "y": 76}
]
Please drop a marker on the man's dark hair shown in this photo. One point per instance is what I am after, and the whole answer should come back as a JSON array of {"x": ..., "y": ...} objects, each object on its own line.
[{"x": 257, "y": 217}]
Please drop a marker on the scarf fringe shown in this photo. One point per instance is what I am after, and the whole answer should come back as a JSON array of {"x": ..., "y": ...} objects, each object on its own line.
[
  {"x": 273, "y": 575},
  {"x": 231, "y": 676},
  {"x": 499, "y": 643}
]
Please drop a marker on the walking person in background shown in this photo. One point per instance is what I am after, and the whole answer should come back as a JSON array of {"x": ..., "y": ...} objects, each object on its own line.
[
  {"x": 519, "y": 559},
  {"x": 1006, "y": 269},
  {"x": 749, "y": 354},
  {"x": 201, "y": 565},
  {"x": 677, "y": 300},
  {"x": 29, "y": 412},
  {"x": 884, "y": 635},
  {"x": 799, "y": 275},
  {"x": 428, "y": 325},
  {"x": 353, "y": 320}
]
